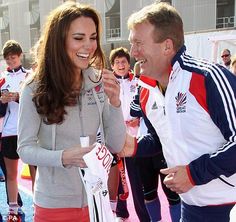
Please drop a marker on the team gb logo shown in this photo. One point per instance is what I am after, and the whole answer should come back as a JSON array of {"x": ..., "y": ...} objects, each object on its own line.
[{"x": 181, "y": 100}]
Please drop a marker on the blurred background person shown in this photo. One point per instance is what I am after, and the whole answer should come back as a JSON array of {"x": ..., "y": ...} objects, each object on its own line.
[
  {"x": 10, "y": 85},
  {"x": 233, "y": 65},
  {"x": 226, "y": 58}
]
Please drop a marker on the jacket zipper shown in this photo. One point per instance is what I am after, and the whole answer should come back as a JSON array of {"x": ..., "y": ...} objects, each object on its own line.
[{"x": 9, "y": 112}]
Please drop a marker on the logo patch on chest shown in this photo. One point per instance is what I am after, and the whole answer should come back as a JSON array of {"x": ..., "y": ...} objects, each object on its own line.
[
  {"x": 181, "y": 100},
  {"x": 154, "y": 106},
  {"x": 98, "y": 88},
  {"x": 132, "y": 88}
]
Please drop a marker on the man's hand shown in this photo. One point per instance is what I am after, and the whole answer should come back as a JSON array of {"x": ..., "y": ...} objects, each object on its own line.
[
  {"x": 177, "y": 179},
  {"x": 7, "y": 97}
]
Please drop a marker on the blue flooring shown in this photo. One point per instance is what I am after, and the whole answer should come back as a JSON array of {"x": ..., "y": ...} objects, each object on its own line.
[{"x": 27, "y": 204}]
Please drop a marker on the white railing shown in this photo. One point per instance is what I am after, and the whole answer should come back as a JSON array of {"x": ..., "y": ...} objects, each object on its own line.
[
  {"x": 225, "y": 22},
  {"x": 113, "y": 33}
]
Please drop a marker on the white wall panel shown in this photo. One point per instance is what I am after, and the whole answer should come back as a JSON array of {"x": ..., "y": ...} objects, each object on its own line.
[
  {"x": 197, "y": 14},
  {"x": 45, "y": 7},
  {"x": 19, "y": 29}
]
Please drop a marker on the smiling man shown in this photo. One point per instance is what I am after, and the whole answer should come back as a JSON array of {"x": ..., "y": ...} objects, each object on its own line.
[{"x": 194, "y": 114}]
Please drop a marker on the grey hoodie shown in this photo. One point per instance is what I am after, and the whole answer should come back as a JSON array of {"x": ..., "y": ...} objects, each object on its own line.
[{"x": 42, "y": 145}]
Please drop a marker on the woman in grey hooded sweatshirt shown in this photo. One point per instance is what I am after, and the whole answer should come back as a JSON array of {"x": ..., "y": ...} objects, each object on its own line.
[{"x": 66, "y": 98}]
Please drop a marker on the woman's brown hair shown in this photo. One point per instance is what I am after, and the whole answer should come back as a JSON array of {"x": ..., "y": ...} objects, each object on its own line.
[{"x": 55, "y": 74}]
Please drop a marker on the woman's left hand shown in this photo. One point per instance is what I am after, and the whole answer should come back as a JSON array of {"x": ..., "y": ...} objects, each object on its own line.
[
  {"x": 111, "y": 87},
  {"x": 74, "y": 156}
]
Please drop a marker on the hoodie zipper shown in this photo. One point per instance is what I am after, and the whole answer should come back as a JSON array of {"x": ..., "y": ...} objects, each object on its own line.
[
  {"x": 53, "y": 148},
  {"x": 8, "y": 116},
  {"x": 80, "y": 105}
]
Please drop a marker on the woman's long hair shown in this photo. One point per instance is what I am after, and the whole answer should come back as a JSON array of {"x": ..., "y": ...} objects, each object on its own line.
[{"x": 55, "y": 73}]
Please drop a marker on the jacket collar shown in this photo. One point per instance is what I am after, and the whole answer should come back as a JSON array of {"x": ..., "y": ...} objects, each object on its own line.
[
  {"x": 14, "y": 70},
  {"x": 129, "y": 76},
  {"x": 178, "y": 55}
]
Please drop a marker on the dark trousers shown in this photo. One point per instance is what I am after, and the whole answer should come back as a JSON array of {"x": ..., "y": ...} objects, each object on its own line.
[
  {"x": 2, "y": 164},
  {"x": 205, "y": 214},
  {"x": 137, "y": 191}
]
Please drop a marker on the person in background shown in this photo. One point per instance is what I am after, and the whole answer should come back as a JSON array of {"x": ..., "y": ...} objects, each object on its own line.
[
  {"x": 2, "y": 177},
  {"x": 34, "y": 51},
  {"x": 193, "y": 110},
  {"x": 233, "y": 65},
  {"x": 142, "y": 130},
  {"x": 120, "y": 63},
  {"x": 226, "y": 58},
  {"x": 10, "y": 85},
  {"x": 69, "y": 96}
]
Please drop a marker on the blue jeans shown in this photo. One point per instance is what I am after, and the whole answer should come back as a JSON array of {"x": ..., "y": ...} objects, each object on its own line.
[{"x": 191, "y": 213}]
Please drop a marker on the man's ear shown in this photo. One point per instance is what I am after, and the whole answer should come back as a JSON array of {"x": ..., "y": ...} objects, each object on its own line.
[{"x": 168, "y": 47}]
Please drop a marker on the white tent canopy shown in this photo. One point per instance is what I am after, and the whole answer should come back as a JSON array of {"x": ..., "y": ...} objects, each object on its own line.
[{"x": 208, "y": 45}]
